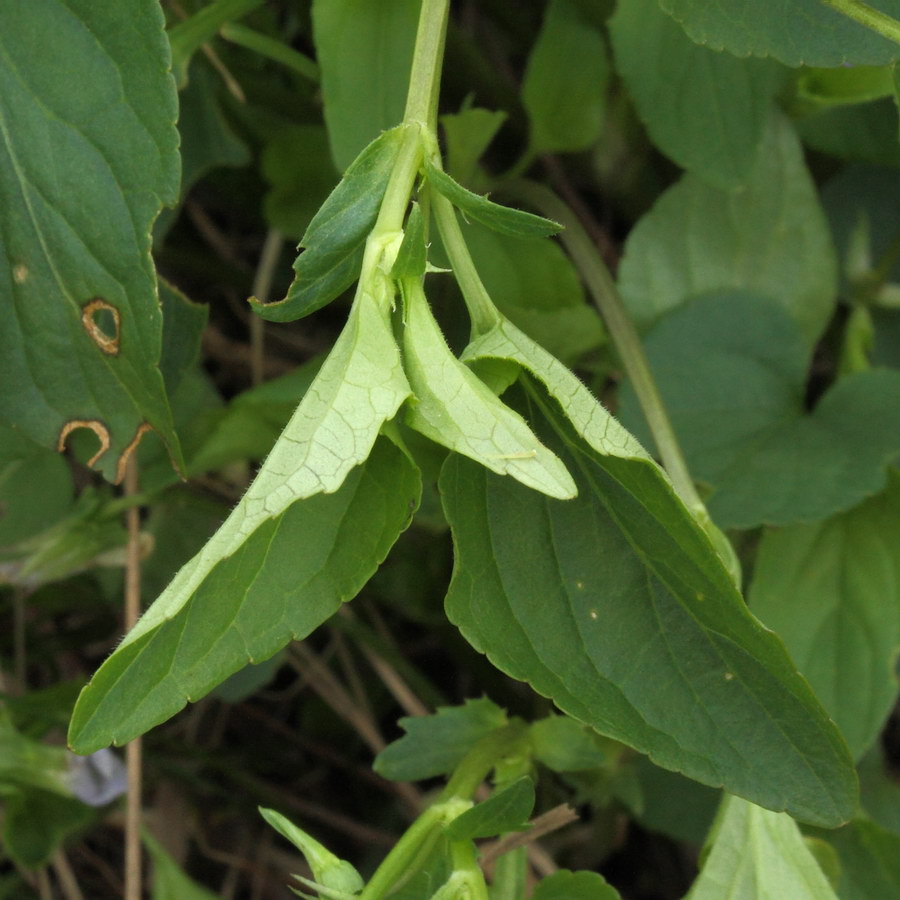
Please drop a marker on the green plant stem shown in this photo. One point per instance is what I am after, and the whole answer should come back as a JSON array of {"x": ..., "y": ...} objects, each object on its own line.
[
  {"x": 872, "y": 18},
  {"x": 481, "y": 308},
  {"x": 271, "y": 48},
  {"x": 509, "y": 875},
  {"x": 428, "y": 58},
  {"x": 600, "y": 284},
  {"x": 262, "y": 286}
]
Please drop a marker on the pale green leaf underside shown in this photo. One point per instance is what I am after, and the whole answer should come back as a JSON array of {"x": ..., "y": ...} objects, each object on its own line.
[
  {"x": 771, "y": 237},
  {"x": 732, "y": 372},
  {"x": 628, "y": 621},
  {"x": 831, "y": 590},
  {"x": 334, "y": 243},
  {"x": 503, "y": 219},
  {"x": 282, "y": 581},
  {"x": 588, "y": 417},
  {"x": 359, "y": 387},
  {"x": 454, "y": 408},
  {"x": 758, "y": 855},
  {"x": 798, "y": 32},
  {"x": 705, "y": 110},
  {"x": 88, "y": 155}
]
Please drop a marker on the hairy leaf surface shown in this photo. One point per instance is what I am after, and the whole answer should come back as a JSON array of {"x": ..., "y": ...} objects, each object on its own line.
[
  {"x": 454, "y": 408},
  {"x": 798, "y": 32},
  {"x": 616, "y": 606},
  {"x": 770, "y": 237},
  {"x": 755, "y": 854},
  {"x": 88, "y": 155},
  {"x": 280, "y": 582},
  {"x": 707, "y": 111},
  {"x": 831, "y": 590}
]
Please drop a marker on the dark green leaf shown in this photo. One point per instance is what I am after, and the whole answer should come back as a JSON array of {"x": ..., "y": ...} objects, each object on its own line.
[
  {"x": 433, "y": 745},
  {"x": 866, "y": 132},
  {"x": 755, "y": 854},
  {"x": 88, "y": 155},
  {"x": 169, "y": 880},
  {"x": 732, "y": 372},
  {"x": 332, "y": 247},
  {"x": 365, "y": 53},
  {"x": 831, "y": 590},
  {"x": 506, "y": 810},
  {"x": 707, "y": 111},
  {"x": 798, "y": 32},
  {"x": 770, "y": 238},
  {"x": 564, "y": 745},
  {"x": 616, "y": 606},
  {"x": 412, "y": 255},
  {"x": 566, "y": 885},
  {"x": 36, "y": 823},
  {"x": 565, "y": 83},
  {"x": 503, "y": 219},
  {"x": 879, "y": 790},
  {"x": 252, "y": 601}
]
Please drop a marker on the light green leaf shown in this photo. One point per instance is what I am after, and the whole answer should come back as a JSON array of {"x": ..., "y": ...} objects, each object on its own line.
[
  {"x": 434, "y": 745},
  {"x": 564, "y": 745},
  {"x": 870, "y": 860},
  {"x": 328, "y": 870},
  {"x": 798, "y": 32},
  {"x": 88, "y": 155},
  {"x": 251, "y": 601},
  {"x": 732, "y": 373},
  {"x": 771, "y": 238},
  {"x": 332, "y": 248},
  {"x": 564, "y": 88},
  {"x": 616, "y": 606},
  {"x": 364, "y": 51},
  {"x": 507, "y": 809},
  {"x": 502, "y": 219},
  {"x": 412, "y": 257},
  {"x": 846, "y": 84},
  {"x": 566, "y": 885},
  {"x": 28, "y": 763},
  {"x": 169, "y": 880},
  {"x": 755, "y": 854},
  {"x": 707, "y": 111},
  {"x": 457, "y": 410},
  {"x": 831, "y": 590},
  {"x": 535, "y": 285}
]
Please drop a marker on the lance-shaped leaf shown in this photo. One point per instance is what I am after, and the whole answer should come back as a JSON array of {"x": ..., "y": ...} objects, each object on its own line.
[
  {"x": 506, "y": 810},
  {"x": 282, "y": 581},
  {"x": 616, "y": 606},
  {"x": 798, "y": 32},
  {"x": 504, "y": 219},
  {"x": 831, "y": 590},
  {"x": 755, "y": 854},
  {"x": 359, "y": 387},
  {"x": 454, "y": 408},
  {"x": 88, "y": 155},
  {"x": 333, "y": 245}
]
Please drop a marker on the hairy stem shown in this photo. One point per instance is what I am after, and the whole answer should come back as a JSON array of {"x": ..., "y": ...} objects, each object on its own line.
[{"x": 879, "y": 22}]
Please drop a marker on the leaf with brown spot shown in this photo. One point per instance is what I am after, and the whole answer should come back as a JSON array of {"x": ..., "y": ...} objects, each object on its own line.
[{"x": 88, "y": 156}]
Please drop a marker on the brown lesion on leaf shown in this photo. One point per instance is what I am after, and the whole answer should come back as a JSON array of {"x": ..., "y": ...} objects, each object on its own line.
[
  {"x": 101, "y": 321},
  {"x": 143, "y": 428},
  {"x": 20, "y": 273},
  {"x": 94, "y": 425}
]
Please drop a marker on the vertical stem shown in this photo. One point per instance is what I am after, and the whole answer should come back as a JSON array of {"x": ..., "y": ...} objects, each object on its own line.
[
  {"x": 133, "y": 753},
  {"x": 20, "y": 643},
  {"x": 262, "y": 286},
  {"x": 428, "y": 58}
]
